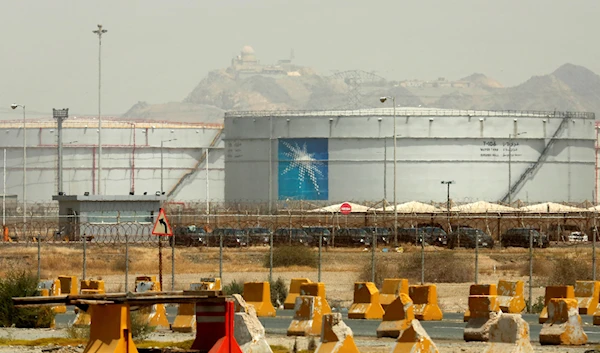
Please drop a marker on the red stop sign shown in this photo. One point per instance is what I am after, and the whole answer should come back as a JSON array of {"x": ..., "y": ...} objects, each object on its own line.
[{"x": 345, "y": 208}]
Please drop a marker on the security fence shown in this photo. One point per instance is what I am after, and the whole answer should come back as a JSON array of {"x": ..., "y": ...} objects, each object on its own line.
[{"x": 559, "y": 227}]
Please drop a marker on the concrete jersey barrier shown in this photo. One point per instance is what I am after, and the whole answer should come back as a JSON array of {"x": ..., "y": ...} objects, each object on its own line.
[
  {"x": 294, "y": 292},
  {"x": 555, "y": 292},
  {"x": 479, "y": 289},
  {"x": 308, "y": 316},
  {"x": 563, "y": 326},
  {"x": 511, "y": 298},
  {"x": 258, "y": 294},
  {"x": 366, "y": 302},
  {"x": 336, "y": 336},
  {"x": 397, "y": 318},
  {"x": 391, "y": 289},
  {"x": 424, "y": 298},
  {"x": 587, "y": 294}
]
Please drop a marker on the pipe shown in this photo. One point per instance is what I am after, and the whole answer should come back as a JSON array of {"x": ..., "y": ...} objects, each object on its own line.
[
  {"x": 133, "y": 160},
  {"x": 94, "y": 170}
]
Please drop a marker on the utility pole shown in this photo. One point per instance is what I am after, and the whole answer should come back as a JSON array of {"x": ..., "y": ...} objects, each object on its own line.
[
  {"x": 60, "y": 115},
  {"x": 382, "y": 100},
  {"x": 100, "y": 31},
  {"x": 15, "y": 106}
]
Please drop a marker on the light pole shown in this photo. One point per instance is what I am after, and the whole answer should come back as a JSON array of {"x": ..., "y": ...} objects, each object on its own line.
[
  {"x": 162, "y": 189},
  {"x": 510, "y": 137},
  {"x": 382, "y": 100},
  {"x": 448, "y": 183},
  {"x": 15, "y": 106},
  {"x": 60, "y": 115},
  {"x": 100, "y": 31}
]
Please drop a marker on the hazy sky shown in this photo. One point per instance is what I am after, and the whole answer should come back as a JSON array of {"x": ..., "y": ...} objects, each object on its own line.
[{"x": 158, "y": 50}]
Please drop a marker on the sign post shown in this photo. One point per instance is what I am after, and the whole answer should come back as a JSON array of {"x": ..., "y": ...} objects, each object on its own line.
[
  {"x": 345, "y": 208},
  {"x": 161, "y": 228}
]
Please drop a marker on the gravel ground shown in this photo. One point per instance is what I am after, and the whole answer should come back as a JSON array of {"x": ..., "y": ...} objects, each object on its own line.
[{"x": 365, "y": 345}]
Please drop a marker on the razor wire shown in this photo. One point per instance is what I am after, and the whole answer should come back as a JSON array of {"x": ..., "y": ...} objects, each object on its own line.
[{"x": 563, "y": 229}]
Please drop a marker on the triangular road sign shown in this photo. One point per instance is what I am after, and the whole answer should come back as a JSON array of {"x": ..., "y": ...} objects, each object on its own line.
[{"x": 162, "y": 226}]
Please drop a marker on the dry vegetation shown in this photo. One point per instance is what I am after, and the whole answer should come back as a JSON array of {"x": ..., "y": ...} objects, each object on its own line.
[{"x": 452, "y": 270}]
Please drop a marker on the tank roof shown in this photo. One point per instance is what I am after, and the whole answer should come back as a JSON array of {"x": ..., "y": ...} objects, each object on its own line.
[{"x": 409, "y": 111}]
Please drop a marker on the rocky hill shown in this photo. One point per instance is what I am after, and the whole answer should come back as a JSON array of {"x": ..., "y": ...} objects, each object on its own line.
[{"x": 570, "y": 87}]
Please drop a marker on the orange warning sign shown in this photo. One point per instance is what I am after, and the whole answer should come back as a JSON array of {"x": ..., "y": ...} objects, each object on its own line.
[{"x": 162, "y": 226}]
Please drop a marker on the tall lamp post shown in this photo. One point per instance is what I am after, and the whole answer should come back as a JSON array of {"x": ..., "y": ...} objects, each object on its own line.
[
  {"x": 382, "y": 100},
  {"x": 100, "y": 31},
  {"x": 162, "y": 189},
  {"x": 15, "y": 106},
  {"x": 510, "y": 138},
  {"x": 448, "y": 183},
  {"x": 60, "y": 115}
]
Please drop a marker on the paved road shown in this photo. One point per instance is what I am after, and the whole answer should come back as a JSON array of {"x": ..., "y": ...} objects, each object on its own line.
[{"x": 451, "y": 328}]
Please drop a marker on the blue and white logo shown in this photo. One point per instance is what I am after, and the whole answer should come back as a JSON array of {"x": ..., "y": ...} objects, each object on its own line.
[{"x": 303, "y": 169}]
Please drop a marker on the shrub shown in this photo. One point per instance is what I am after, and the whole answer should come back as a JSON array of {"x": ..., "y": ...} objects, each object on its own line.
[
  {"x": 22, "y": 284},
  {"x": 537, "y": 307},
  {"x": 140, "y": 329},
  {"x": 383, "y": 270},
  {"x": 234, "y": 288},
  {"x": 298, "y": 255},
  {"x": 567, "y": 270},
  {"x": 278, "y": 292},
  {"x": 440, "y": 267}
]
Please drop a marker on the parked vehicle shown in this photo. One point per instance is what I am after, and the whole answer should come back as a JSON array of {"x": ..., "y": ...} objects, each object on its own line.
[
  {"x": 383, "y": 234},
  {"x": 578, "y": 237},
  {"x": 465, "y": 237},
  {"x": 410, "y": 235},
  {"x": 231, "y": 237},
  {"x": 520, "y": 237},
  {"x": 435, "y": 236},
  {"x": 189, "y": 236},
  {"x": 352, "y": 237},
  {"x": 291, "y": 236},
  {"x": 258, "y": 236},
  {"x": 316, "y": 232}
]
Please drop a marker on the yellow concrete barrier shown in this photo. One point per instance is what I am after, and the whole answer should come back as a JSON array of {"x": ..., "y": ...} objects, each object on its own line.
[
  {"x": 308, "y": 316},
  {"x": 397, "y": 318},
  {"x": 366, "y": 302},
  {"x": 555, "y": 292},
  {"x": 484, "y": 312},
  {"x": 111, "y": 330},
  {"x": 68, "y": 285},
  {"x": 479, "y": 289},
  {"x": 316, "y": 289},
  {"x": 90, "y": 286},
  {"x": 424, "y": 299},
  {"x": 511, "y": 296},
  {"x": 563, "y": 326},
  {"x": 155, "y": 315},
  {"x": 336, "y": 337},
  {"x": 412, "y": 337},
  {"x": 259, "y": 295},
  {"x": 51, "y": 287},
  {"x": 391, "y": 289},
  {"x": 294, "y": 292},
  {"x": 185, "y": 321},
  {"x": 509, "y": 334},
  {"x": 587, "y": 294}
]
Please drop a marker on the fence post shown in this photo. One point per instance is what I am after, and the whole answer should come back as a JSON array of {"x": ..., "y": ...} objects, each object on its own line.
[{"x": 39, "y": 256}]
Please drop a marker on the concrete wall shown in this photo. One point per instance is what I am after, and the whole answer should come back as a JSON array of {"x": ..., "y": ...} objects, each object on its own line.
[{"x": 471, "y": 150}]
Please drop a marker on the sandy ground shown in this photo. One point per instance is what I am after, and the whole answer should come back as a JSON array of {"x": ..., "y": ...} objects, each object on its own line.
[{"x": 365, "y": 345}]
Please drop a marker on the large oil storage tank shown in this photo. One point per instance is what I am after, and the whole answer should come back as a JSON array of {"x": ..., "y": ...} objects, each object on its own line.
[
  {"x": 349, "y": 155},
  {"x": 138, "y": 157}
]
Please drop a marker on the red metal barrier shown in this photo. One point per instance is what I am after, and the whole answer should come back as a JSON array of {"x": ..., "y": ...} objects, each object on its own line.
[{"x": 214, "y": 327}]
